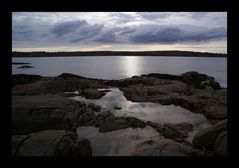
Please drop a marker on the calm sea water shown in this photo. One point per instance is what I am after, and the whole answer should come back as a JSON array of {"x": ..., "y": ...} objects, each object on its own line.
[{"x": 118, "y": 67}]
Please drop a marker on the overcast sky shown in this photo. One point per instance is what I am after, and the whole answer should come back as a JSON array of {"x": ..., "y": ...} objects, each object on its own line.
[{"x": 131, "y": 31}]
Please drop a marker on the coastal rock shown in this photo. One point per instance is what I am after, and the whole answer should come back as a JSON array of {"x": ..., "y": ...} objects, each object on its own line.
[
  {"x": 54, "y": 85},
  {"x": 41, "y": 112},
  {"x": 215, "y": 111},
  {"x": 70, "y": 76},
  {"x": 116, "y": 123},
  {"x": 92, "y": 93},
  {"x": 53, "y": 143},
  {"x": 112, "y": 125},
  {"x": 200, "y": 81},
  {"x": 26, "y": 66},
  {"x": 94, "y": 107},
  {"x": 17, "y": 141},
  {"x": 21, "y": 79},
  {"x": 130, "y": 81},
  {"x": 166, "y": 147},
  {"x": 205, "y": 138},
  {"x": 220, "y": 145},
  {"x": 178, "y": 132},
  {"x": 192, "y": 90}
]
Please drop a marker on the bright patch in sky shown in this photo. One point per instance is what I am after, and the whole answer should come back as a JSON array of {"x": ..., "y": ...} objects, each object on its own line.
[{"x": 131, "y": 31}]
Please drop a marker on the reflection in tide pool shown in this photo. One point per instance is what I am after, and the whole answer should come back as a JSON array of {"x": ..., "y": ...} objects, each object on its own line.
[
  {"x": 154, "y": 112},
  {"x": 117, "y": 143}
]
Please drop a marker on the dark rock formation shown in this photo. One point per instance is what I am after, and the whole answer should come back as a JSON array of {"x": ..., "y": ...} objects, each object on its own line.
[
  {"x": 92, "y": 93},
  {"x": 26, "y": 66},
  {"x": 41, "y": 112},
  {"x": 167, "y": 147},
  {"x": 70, "y": 76},
  {"x": 116, "y": 123},
  {"x": 199, "y": 81},
  {"x": 213, "y": 138},
  {"x": 30, "y": 85},
  {"x": 177, "y": 132},
  {"x": 42, "y": 103},
  {"x": 51, "y": 143},
  {"x": 196, "y": 92},
  {"x": 21, "y": 79},
  {"x": 220, "y": 145}
]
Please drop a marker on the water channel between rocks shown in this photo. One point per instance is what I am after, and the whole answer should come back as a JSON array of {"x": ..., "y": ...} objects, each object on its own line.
[{"x": 122, "y": 142}]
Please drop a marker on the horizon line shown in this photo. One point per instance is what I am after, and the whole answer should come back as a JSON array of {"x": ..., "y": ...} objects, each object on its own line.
[{"x": 121, "y": 51}]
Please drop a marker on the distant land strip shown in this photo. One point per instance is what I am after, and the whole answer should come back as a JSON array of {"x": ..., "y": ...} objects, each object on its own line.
[
  {"x": 117, "y": 53},
  {"x": 19, "y": 63}
]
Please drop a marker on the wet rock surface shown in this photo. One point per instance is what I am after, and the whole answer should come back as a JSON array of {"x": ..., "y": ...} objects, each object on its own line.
[
  {"x": 51, "y": 143},
  {"x": 43, "y": 104},
  {"x": 196, "y": 92},
  {"x": 167, "y": 147},
  {"x": 213, "y": 138}
]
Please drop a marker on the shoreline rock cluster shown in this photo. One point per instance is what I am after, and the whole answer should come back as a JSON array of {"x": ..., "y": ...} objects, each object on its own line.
[{"x": 42, "y": 111}]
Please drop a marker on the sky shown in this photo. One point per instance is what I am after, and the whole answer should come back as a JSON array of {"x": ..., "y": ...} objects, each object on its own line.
[{"x": 119, "y": 31}]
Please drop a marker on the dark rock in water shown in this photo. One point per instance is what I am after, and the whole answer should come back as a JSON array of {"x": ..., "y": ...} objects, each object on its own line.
[
  {"x": 92, "y": 93},
  {"x": 220, "y": 145},
  {"x": 52, "y": 143},
  {"x": 167, "y": 147},
  {"x": 21, "y": 79},
  {"x": 26, "y": 66},
  {"x": 117, "y": 108},
  {"x": 112, "y": 125},
  {"x": 68, "y": 75},
  {"x": 205, "y": 138},
  {"x": 116, "y": 123},
  {"x": 173, "y": 132}
]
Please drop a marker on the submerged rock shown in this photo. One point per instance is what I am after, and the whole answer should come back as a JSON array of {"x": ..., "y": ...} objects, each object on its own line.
[
  {"x": 51, "y": 143},
  {"x": 92, "y": 93}
]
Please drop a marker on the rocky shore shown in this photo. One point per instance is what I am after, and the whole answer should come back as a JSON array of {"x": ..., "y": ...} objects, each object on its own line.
[{"x": 46, "y": 120}]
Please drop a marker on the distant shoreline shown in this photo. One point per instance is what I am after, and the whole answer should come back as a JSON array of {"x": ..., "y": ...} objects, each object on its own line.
[{"x": 117, "y": 53}]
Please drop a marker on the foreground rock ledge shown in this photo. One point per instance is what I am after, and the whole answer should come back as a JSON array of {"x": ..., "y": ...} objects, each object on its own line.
[
  {"x": 50, "y": 143},
  {"x": 41, "y": 104}
]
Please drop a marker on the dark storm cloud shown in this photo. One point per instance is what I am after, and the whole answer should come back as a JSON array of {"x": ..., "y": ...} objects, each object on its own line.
[
  {"x": 124, "y": 28},
  {"x": 76, "y": 31},
  {"x": 67, "y": 27},
  {"x": 107, "y": 37},
  {"x": 176, "y": 35},
  {"x": 22, "y": 31}
]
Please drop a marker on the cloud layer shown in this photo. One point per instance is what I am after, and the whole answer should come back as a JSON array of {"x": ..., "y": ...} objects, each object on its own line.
[{"x": 133, "y": 28}]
